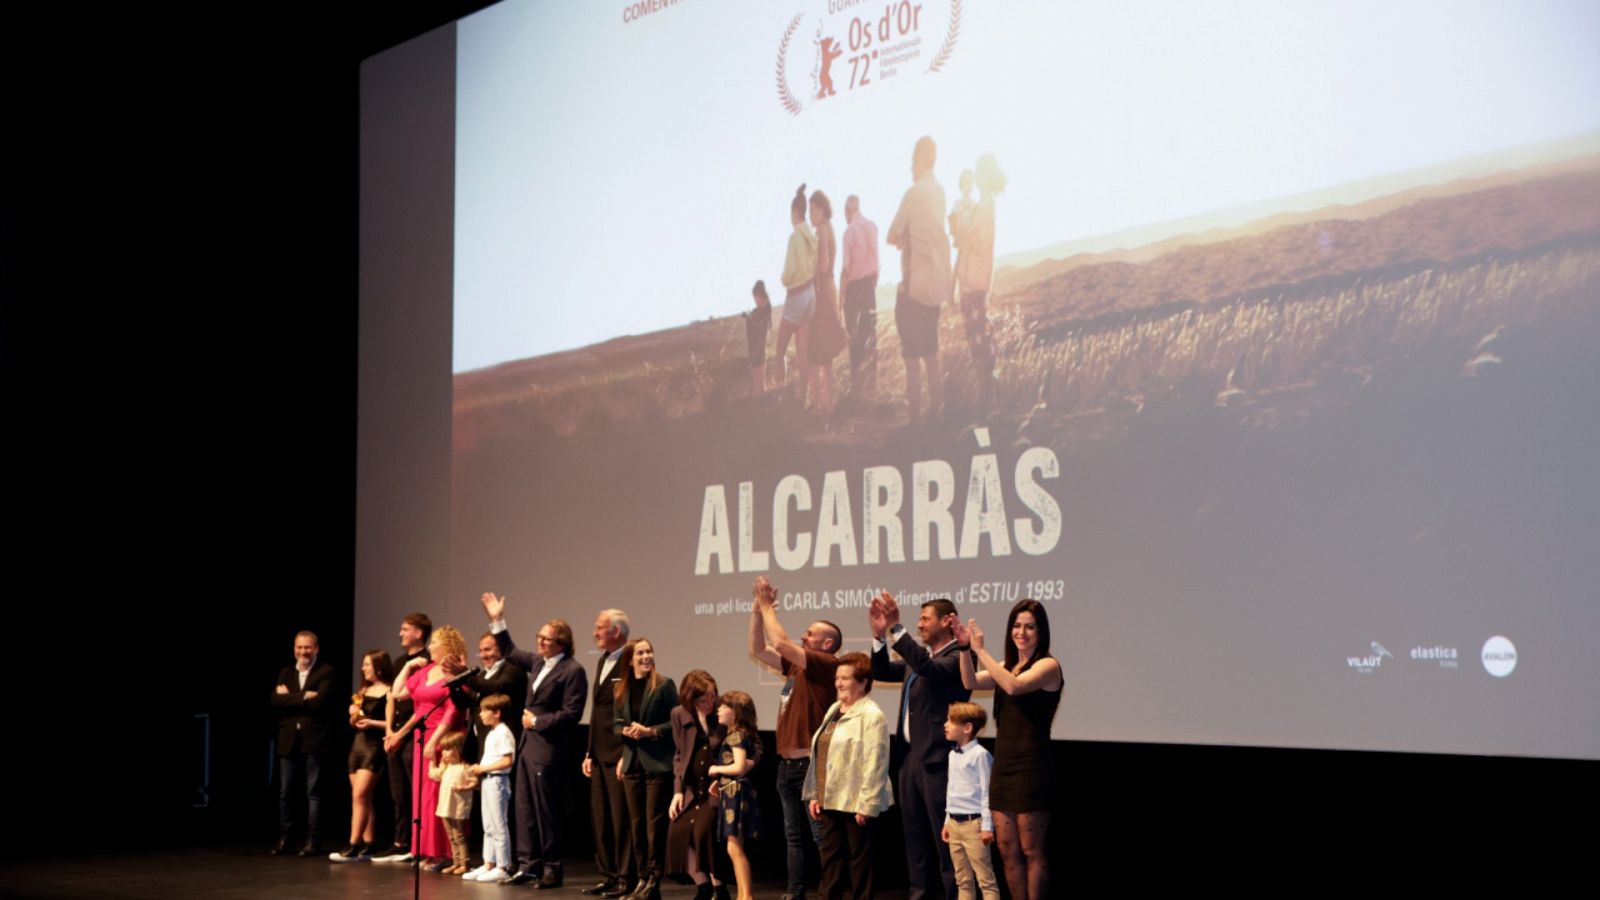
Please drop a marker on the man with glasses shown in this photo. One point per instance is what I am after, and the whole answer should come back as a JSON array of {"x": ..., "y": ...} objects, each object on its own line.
[{"x": 547, "y": 749}]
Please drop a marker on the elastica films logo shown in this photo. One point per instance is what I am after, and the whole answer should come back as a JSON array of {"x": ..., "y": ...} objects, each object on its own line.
[
  {"x": 1499, "y": 656},
  {"x": 1446, "y": 656}
]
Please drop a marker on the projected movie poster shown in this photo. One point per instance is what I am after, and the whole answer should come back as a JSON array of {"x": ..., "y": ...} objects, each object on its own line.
[{"x": 1257, "y": 341}]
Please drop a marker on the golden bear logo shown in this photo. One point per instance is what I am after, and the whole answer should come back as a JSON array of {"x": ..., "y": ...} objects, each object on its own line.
[{"x": 830, "y": 52}]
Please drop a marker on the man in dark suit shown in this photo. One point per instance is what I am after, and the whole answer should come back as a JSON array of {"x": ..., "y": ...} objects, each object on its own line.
[
  {"x": 607, "y": 808},
  {"x": 548, "y": 747},
  {"x": 304, "y": 694},
  {"x": 495, "y": 676},
  {"x": 932, "y": 677},
  {"x": 499, "y": 676}
]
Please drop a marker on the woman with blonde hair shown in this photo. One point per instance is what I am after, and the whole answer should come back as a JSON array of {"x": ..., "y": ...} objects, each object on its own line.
[
  {"x": 799, "y": 282},
  {"x": 423, "y": 683}
]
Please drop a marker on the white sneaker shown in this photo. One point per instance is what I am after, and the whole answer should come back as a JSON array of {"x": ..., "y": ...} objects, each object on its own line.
[
  {"x": 395, "y": 858},
  {"x": 498, "y": 876}
]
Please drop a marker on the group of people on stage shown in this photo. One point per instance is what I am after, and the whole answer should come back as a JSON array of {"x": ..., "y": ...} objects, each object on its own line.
[
  {"x": 669, "y": 763},
  {"x": 812, "y": 299}
]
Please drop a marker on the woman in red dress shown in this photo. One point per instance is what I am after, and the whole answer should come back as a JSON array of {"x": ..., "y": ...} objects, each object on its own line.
[{"x": 423, "y": 683}]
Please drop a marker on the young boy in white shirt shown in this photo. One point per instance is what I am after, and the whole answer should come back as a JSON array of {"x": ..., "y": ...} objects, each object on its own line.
[
  {"x": 968, "y": 824},
  {"x": 494, "y": 778}
]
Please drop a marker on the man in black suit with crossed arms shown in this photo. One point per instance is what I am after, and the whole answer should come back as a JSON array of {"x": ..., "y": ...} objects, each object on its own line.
[
  {"x": 300, "y": 702},
  {"x": 547, "y": 750},
  {"x": 932, "y": 677}
]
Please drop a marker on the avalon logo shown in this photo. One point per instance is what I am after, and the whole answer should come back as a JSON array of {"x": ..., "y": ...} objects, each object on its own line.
[{"x": 1499, "y": 656}]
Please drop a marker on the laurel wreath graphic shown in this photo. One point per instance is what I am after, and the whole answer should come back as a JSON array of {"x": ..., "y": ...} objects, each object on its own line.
[
  {"x": 950, "y": 36},
  {"x": 784, "y": 97}
]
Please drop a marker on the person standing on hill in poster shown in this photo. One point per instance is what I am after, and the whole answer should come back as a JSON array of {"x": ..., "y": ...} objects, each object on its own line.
[
  {"x": 757, "y": 323},
  {"x": 828, "y": 337},
  {"x": 858, "y": 285},
  {"x": 972, "y": 226},
  {"x": 918, "y": 232},
  {"x": 800, "y": 299}
]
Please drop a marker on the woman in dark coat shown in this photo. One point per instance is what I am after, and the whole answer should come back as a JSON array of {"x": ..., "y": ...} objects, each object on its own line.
[
  {"x": 644, "y": 704},
  {"x": 692, "y": 839}
]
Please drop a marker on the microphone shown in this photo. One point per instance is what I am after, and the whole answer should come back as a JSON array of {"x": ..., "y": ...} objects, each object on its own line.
[{"x": 470, "y": 673}]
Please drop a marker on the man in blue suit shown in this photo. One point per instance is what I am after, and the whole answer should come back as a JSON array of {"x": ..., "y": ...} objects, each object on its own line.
[
  {"x": 932, "y": 681},
  {"x": 548, "y": 748}
]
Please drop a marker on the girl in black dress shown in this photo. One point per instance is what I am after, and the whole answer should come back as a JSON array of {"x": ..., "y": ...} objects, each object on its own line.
[
  {"x": 736, "y": 794},
  {"x": 366, "y": 762},
  {"x": 1027, "y": 690}
]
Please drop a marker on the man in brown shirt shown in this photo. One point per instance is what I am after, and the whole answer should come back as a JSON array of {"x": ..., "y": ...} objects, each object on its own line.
[{"x": 809, "y": 666}]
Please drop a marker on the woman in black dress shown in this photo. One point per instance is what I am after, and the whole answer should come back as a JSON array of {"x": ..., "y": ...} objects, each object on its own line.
[
  {"x": 697, "y": 742},
  {"x": 1027, "y": 690},
  {"x": 366, "y": 762}
]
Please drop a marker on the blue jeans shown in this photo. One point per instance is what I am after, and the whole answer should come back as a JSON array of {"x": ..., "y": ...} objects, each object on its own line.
[
  {"x": 297, "y": 772},
  {"x": 796, "y": 823},
  {"x": 496, "y": 804}
]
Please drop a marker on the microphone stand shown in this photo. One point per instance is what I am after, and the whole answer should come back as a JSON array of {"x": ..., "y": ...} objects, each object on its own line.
[{"x": 416, "y": 800}]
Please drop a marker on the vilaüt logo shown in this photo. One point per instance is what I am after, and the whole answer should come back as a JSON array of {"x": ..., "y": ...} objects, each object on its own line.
[
  {"x": 1371, "y": 662},
  {"x": 857, "y": 44}
]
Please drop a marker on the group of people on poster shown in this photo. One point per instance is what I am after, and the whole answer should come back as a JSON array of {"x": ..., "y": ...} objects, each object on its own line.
[
  {"x": 822, "y": 328},
  {"x": 669, "y": 763}
]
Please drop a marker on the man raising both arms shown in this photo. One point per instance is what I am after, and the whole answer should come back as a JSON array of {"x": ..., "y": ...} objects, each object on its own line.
[
  {"x": 931, "y": 676},
  {"x": 809, "y": 666}
]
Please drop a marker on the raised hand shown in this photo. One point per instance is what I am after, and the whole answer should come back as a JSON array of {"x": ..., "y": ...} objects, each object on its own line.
[
  {"x": 877, "y": 619},
  {"x": 964, "y": 632},
  {"x": 766, "y": 595},
  {"x": 976, "y": 634},
  {"x": 891, "y": 609},
  {"x": 494, "y": 606}
]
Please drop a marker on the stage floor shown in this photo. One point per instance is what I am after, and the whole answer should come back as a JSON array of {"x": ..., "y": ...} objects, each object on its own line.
[{"x": 248, "y": 872}]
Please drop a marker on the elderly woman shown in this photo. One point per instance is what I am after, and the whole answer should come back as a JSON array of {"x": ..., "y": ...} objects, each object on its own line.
[
  {"x": 697, "y": 741},
  {"x": 423, "y": 683},
  {"x": 643, "y": 718},
  {"x": 847, "y": 786},
  {"x": 1027, "y": 686}
]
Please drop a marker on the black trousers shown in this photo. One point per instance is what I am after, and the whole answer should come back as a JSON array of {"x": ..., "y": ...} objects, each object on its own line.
[
  {"x": 846, "y": 851},
  {"x": 400, "y": 793},
  {"x": 928, "y": 867},
  {"x": 536, "y": 797},
  {"x": 609, "y": 812},
  {"x": 648, "y": 794}
]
